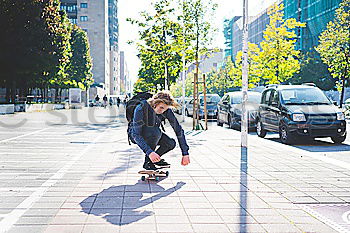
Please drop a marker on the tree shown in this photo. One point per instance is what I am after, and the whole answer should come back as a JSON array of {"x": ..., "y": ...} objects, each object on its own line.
[
  {"x": 34, "y": 44},
  {"x": 197, "y": 17},
  {"x": 220, "y": 81},
  {"x": 334, "y": 46},
  {"x": 278, "y": 57},
  {"x": 158, "y": 45},
  {"x": 80, "y": 65},
  {"x": 313, "y": 70},
  {"x": 141, "y": 85},
  {"x": 253, "y": 67}
]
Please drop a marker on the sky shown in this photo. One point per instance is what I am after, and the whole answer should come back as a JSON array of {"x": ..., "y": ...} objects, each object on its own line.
[{"x": 131, "y": 8}]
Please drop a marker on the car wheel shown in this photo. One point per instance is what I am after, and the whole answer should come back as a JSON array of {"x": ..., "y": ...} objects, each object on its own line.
[
  {"x": 218, "y": 123},
  {"x": 260, "y": 129},
  {"x": 338, "y": 139},
  {"x": 285, "y": 134}
]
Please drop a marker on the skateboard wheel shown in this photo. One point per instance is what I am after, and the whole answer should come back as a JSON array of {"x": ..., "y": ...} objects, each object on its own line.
[
  {"x": 143, "y": 178},
  {"x": 157, "y": 178},
  {"x": 167, "y": 173}
]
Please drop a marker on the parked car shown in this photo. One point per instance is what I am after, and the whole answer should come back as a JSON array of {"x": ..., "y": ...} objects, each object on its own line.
[
  {"x": 230, "y": 109},
  {"x": 179, "y": 100},
  {"x": 212, "y": 106},
  {"x": 347, "y": 104},
  {"x": 296, "y": 111}
]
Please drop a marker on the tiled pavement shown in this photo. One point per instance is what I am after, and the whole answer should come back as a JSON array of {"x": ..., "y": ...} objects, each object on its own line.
[{"x": 98, "y": 188}]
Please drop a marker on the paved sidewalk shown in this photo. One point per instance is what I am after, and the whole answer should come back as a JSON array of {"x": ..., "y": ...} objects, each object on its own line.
[{"x": 99, "y": 190}]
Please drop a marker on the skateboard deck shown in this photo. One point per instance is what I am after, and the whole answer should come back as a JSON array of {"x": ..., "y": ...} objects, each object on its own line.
[{"x": 153, "y": 175}]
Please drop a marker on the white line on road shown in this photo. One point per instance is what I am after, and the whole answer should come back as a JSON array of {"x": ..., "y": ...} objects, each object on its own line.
[
  {"x": 21, "y": 136},
  {"x": 11, "y": 218}
]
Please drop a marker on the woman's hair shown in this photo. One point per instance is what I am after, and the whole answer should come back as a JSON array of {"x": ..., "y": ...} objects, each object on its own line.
[{"x": 163, "y": 97}]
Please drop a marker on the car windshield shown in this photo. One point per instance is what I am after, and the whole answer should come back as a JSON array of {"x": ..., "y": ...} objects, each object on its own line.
[
  {"x": 252, "y": 98},
  {"x": 211, "y": 99},
  {"x": 304, "y": 96}
]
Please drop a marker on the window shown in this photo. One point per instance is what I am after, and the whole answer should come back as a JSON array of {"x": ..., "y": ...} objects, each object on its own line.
[
  {"x": 83, "y": 18},
  {"x": 266, "y": 97},
  {"x": 83, "y": 5},
  {"x": 274, "y": 98},
  {"x": 73, "y": 21}
]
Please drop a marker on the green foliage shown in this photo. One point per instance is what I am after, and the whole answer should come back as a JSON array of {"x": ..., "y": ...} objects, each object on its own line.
[
  {"x": 254, "y": 67},
  {"x": 35, "y": 45},
  {"x": 163, "y": 37},
  {"x": 313, "y": 70},
  {"x": 222, "y": 80},
  {"x": 278, "y": 58},
  {"x": 334, "y": 45},
  {"x": 141, "y": 85},
  {"x": 158, "y": 45},
  {"x": 80, "y": 66}
]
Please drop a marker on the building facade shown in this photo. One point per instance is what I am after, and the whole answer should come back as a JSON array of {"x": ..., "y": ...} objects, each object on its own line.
[
  {"x": 208, "y": 64},
  {"x": 99, "y": 19},
  {"x": 315, "y": 13},
  {"x": 125, "y": 82}
]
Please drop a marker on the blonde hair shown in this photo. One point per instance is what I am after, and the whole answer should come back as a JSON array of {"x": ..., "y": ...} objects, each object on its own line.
[{"x": 163, "y": 97}]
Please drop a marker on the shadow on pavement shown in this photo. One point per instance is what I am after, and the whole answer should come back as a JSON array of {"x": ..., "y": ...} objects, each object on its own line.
[
  {"x": 118, "y": 204},
  {"x": 128, "y": 162},
  {"x": 316, "y": 145}
]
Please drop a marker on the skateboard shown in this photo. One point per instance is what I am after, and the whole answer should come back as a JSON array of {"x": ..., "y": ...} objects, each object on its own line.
[{"x": 153, "y": 175}]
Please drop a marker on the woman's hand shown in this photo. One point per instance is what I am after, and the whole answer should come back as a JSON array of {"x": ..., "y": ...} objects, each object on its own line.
[
  {"x": 154, "y": 157},
  {"x": 185, "y": 160}
]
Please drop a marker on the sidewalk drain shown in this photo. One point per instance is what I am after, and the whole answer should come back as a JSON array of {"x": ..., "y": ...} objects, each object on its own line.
[{"x": 336, "y": 216}]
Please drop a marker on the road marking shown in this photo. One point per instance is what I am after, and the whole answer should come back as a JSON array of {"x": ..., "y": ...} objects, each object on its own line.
[
  {"x": 11, "y": 218},
  {"x": 21, "y": 136},
  {"x": 324, "y": 219}
]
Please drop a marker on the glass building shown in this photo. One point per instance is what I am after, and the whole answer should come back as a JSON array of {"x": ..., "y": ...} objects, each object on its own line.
[{"x": 315, "y": 13}]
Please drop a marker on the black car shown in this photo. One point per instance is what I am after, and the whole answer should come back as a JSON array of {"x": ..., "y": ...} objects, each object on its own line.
[
  {"x": 230, "y": 109},
  {"x": 299, "y": 111}
]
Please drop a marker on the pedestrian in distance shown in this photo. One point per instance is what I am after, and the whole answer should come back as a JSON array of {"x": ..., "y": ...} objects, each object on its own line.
[
  {"x": 143, "y": 129},
  {"x": 97, "y": 100},
  {"x": 118, "y": 101},
  {"x": 110, "y": 101},
  {"x": 105, "y": 101},
  {"x": 125, "y": 100}
]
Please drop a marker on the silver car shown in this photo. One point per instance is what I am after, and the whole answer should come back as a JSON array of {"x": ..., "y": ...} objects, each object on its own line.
[{"x": 212, "y": 106}]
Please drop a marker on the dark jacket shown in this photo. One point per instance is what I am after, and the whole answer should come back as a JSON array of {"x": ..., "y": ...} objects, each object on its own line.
[{"x": 146, "y": 122}]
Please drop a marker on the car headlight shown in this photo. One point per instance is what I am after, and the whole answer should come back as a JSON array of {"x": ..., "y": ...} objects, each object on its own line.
[
  {"x": 340, "y": 116},
  {"x": 298, "y": 117}
]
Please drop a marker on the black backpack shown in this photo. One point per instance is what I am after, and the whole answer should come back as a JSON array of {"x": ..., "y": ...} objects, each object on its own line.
[{"x": 130, "y": 108}]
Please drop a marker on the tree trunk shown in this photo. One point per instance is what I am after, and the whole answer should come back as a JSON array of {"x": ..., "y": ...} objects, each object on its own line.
[
  {"x": 13, "y": 91},
  {"x": 8, "y": 92}
]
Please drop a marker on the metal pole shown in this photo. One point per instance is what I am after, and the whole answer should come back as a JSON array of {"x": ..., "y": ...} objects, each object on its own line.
[
  {"x": 205, "y": 104},
  {"x": 244, "y": 122},
  {"x": 183, "y": 86},
  {"x": 166, "y": 77},
  {"x": 183, "y": 68}
]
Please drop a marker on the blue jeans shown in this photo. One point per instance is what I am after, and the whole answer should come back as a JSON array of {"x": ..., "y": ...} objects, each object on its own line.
[{"x": 155, "y": 137}]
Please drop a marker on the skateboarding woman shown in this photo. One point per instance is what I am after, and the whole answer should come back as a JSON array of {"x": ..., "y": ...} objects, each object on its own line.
[{"x": 145, "y": 131}]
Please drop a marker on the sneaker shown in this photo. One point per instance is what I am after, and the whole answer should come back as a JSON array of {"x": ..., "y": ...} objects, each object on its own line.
[
  {"x": 149, "y": 166},
  {"x": 162, "y": 163}
]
